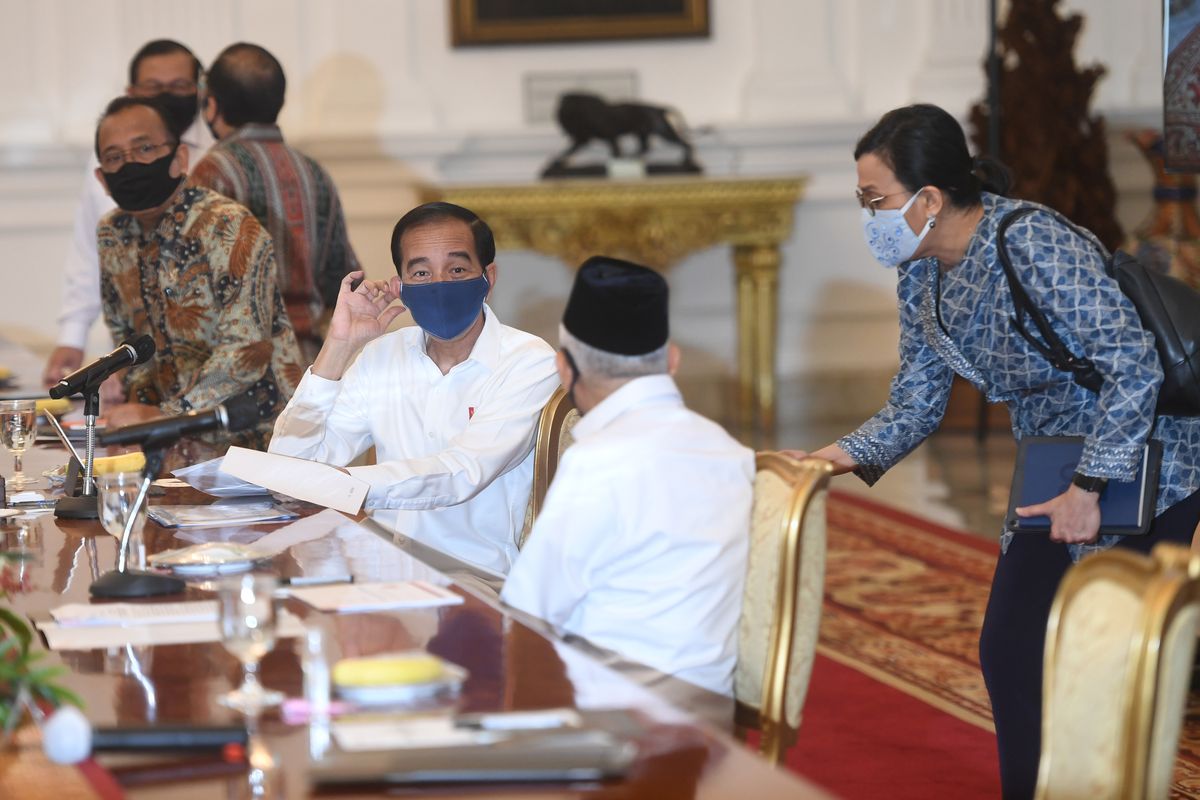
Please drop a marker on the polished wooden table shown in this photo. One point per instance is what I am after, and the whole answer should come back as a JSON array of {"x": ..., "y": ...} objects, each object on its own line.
[
  {"x": 511, "y": 666},
  {"x": 657, "y": 222}
]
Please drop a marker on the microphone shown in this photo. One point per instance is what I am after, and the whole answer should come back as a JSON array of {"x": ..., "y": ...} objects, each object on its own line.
[
  {"x": 134, "y": 350},
  {"x": 235, "y": 414},
  {"x": 68, "y": 737}
]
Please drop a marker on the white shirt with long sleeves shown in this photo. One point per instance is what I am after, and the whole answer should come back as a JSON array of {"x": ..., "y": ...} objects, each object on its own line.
[
  {"x": 641, "y": 546},
  {"x": 454, "y": 452},
  {"x": 81, "y": 270}
]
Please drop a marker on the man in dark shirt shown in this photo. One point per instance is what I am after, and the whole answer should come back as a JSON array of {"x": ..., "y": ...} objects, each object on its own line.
[{"x": 288, "y": 192}]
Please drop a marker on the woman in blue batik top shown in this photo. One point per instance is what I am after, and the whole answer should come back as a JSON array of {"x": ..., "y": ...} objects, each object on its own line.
[{"x": 931, "y": 212}]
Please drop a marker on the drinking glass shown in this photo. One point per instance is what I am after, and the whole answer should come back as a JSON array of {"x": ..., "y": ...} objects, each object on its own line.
[
  {"x": 18, "y": 428},
  {"x": 247, "y": 619},
  {"x": 115, "y": 495}
]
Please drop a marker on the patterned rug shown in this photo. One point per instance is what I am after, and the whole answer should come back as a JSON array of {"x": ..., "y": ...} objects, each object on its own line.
[{"x": 904, "y": 603}]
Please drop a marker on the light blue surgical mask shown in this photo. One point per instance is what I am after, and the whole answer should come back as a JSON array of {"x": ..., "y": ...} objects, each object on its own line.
[
  {"x": 891, "y": 240},
  {"x": 445, "y": 309}
]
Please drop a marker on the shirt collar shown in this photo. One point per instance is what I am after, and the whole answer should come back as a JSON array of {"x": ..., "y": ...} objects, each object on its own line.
[
  {"x": 487, "y": 347},
  {"x": 648, "y": 390},
  {"x": 257, "y": 132}
]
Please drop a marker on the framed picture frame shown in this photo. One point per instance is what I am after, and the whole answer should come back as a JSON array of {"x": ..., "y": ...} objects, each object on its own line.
[{"x": 493, "y": 22}]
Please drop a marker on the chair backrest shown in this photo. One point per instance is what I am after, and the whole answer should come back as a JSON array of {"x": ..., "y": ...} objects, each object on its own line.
[
  {"x": 558, "y": 417},
  {"x": 1119, "y": 648},
  {"x": 781, "y": 604}
]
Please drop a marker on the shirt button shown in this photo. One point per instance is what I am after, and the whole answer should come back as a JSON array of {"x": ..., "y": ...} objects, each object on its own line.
[{"x": 430, "y": 434}]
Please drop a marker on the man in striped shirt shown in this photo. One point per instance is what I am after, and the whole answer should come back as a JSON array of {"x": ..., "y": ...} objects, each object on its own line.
[{"x": 289, "y": 193}]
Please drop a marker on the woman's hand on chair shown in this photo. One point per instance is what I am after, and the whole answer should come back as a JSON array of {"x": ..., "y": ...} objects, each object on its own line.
[
  {"x": 1074, "y": 515},
  {"x": 841, "y": 460}
]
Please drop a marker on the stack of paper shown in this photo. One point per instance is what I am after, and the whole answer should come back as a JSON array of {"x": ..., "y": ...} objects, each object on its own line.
[
  {"x": 135, "y": 613},
  {"x": 367, "y": 734},
  {"x": 343, "y": 597},
  {"x": 218, "y": 514},
  {"x": 86, "y": 627}
]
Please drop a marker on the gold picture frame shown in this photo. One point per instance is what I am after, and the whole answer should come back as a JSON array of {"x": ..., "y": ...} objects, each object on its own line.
[{"x": 487, "y": 22}]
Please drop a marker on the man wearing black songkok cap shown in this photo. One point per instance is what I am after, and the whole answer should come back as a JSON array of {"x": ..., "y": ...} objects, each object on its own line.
[{"x": 641, "y": 546}]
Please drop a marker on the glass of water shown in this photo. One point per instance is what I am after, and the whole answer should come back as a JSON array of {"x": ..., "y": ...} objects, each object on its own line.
[
  {"x": 247, "y": 617},
  {"x": 18, "y": 428},
  {"x": 115, "y": 496}
]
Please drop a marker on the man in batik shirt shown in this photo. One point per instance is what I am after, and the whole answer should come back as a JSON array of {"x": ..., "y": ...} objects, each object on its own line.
[
  {"x": 288, "y": 192},
  {"x": 194, "y": 270}
]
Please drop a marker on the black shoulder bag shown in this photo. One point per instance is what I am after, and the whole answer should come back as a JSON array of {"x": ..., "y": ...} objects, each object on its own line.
[{"x": 1168, "y": 307}]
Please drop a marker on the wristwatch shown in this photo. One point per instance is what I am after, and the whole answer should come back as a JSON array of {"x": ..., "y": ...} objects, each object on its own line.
[{"x": 1089, "y": 483}]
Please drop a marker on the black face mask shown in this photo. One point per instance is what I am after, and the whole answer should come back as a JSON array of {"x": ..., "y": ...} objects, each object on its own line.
[
  {"x": 136, "y": 187},
  {"x": 180, "y": 110}
]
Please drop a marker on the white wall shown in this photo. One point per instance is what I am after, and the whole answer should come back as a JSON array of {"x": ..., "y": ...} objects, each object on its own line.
[{"x": 379, "y": 96}]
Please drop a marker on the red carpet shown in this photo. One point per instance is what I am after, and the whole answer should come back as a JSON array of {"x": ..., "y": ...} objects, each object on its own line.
[
  {"x": 864, "y": 740},
  {"x": 897, "y": 706}
]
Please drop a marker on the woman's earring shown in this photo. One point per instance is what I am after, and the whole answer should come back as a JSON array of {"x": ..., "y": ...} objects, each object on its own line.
[{"x": 932, "y": 223}]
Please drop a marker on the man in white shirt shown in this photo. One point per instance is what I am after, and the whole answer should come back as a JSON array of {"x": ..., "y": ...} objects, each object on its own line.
[
  {"x": 164, "y": 69},
  {"x": 450, "y": 405},
  {"x": 641, "y": 546}
]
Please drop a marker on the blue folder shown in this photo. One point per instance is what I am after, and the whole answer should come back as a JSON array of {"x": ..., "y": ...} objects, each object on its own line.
[{"x": 1044, "y": 468}]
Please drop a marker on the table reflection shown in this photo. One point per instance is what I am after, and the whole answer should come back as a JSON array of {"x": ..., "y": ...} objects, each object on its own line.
[{"x": 511, "y": 665}]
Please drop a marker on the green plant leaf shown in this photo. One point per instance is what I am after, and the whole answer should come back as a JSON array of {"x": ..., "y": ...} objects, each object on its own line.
[
  {"x": 17, "y": 626},
  {"x": 59, "y": 695},
  {"x": 43, "y": 675}
]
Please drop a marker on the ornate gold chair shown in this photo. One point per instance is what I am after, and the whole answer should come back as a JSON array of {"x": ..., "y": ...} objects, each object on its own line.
[
  {"x": 781, "y": 604},
  {"x": 1119, "y": 649},
  {"x": 559, "y": 416}
]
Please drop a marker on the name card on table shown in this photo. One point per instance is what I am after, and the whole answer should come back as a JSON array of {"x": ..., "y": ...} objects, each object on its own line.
[{"x": 300, "y": 478}]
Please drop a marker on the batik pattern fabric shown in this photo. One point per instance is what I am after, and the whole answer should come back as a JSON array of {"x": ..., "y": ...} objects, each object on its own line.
[
  {"x": 202, "y": 284},
  {"x": 298, "y": 204},
  {"x": 960, "y": 321}
]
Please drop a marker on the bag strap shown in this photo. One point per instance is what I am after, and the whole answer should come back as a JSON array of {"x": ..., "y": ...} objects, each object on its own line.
[{"x": 1083, "y": 370}]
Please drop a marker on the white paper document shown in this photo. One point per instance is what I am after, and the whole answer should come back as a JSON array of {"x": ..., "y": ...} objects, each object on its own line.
[
  {"x": 306, "y": 480},
  {"x": 93, "y": 636},
  {"x": 134, "y": 613},
  {"x": 376, "y": 596},
  {"x": 413, "y": 732}
]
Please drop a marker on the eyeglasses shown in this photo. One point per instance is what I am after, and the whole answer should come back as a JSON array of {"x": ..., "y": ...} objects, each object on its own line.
[
  {"x": 113, "y": 160},
  {"x": 872, "y": 203},
  {"x": 179, "y": 86}
]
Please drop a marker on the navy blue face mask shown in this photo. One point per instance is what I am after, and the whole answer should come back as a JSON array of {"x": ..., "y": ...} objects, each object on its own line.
[{"x": 445, "y": 309}]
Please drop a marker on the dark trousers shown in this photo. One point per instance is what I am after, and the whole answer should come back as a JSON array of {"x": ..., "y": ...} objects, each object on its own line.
[{"x": 1013, "y": 638}]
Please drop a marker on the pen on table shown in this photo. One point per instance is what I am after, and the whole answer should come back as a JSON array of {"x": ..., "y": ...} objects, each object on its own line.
[
  {"x": 315, "y": 580},
  {"x": 33, "y": 504}
]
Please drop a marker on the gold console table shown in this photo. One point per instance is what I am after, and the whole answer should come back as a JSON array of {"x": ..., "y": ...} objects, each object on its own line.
[{"x": 657, "y": 222}]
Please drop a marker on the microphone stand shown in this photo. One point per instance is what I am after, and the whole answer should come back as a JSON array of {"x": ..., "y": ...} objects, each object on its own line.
[
  {"x": 124, "y": 582},
  {"x": 83, "y": 505}
]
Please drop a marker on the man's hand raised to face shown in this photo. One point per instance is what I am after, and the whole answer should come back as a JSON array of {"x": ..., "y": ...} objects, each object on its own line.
[{"x": 362, "y": 313}]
